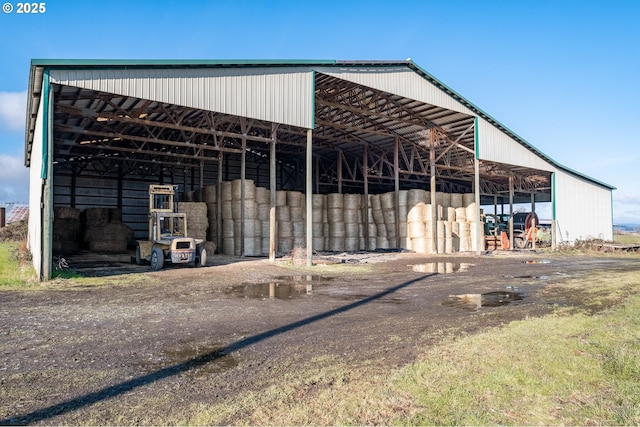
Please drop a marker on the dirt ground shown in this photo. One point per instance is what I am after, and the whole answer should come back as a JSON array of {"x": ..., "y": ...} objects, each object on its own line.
[{"x": 186, "y": 335}]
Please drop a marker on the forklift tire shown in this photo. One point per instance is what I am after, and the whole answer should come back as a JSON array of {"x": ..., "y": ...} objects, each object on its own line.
[
  {"x": 201, "y": 257},
  {"x": 157, "y": 258},
  {"x": 519, "y": 243}
]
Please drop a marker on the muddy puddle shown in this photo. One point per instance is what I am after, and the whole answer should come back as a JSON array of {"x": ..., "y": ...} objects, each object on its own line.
[
  {"x": 488, "y": 299},
  {"x": 526, "y": 276},
  {"x": 537, "y": 261},
  {"x": 441, "y": 267},
  {"x": 283, "y": 287}
]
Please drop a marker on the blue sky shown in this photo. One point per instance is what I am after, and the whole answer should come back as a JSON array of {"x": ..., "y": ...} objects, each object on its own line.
[{"x": 564, "y": 75}]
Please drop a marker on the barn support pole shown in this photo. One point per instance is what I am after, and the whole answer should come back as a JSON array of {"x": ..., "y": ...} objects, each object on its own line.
[
  {"x": 533, "y": 202},
  {"x": 243, "y": 160},
  {"x": 340, "y": 172},
  {"x": 201, "y": 177},
  {"x": 396, "y": 179},
  {"x": 317, "y": 171},
  {"x": 47, "y": 175},
  {"x": 479, "y": 237},
  {"x": 432, "y": 184},
  {"x": 219, "y": 203},
  {"x": 495, "y": 205},
  {"x": 309, "y": 197},
  {"x": 511, "y": 212},
  {"x": 365, "y": 214},
  {"x": 272, "y": 191}
]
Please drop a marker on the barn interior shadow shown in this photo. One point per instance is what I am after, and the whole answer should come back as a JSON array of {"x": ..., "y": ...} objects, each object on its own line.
[{"x": 196, "y": 362}]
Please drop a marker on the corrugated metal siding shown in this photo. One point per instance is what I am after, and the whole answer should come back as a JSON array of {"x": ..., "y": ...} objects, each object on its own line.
[
  {"x": 35, "y": 194},
  {"x": 398, "y": 80},
  {"x": 583, "y": 210},
  {"x": 282, "y": 95},
  {"x": 496, "y": 146}
]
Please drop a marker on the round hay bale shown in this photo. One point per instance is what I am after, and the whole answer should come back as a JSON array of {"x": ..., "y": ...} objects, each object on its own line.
[
  {"x": 381, "y": 230},
  {"x": 472, "y": 212},
  {"x": 461, "y": 214},
  {"x": 374, "y": 202},
  {"x": 318, "y": 243},
  {"x": 227, "y": 228},
  {"x": 262, "y": 195},
  {"x": 446, "y": 200},
  {"x": 317, "y": 229},
  {"x": 468, "y": 198},
  {"x": 294, "y": 198},
  {"x": 335, "y": 201},
  {"x": 210, "y": 247},
  {"x": 351, "y": 244},
  {"x": 440, "y": 239},
  {"x": 451, "y": 214},
  {"x": 285, "y": 229},
  {"x": 352, "y": 201},
  {"x": 352, "y": 215},
  {"x": 226, "y": 191},
  {"x": 297, "y": 213},
  {"x": 455, "y": 200},
  {"x": 318, "y": 201},
  {"x": 299, "y": 230},
  {"x": 249, "y": 189},
  {"x": 382, "y": 242},
  {"x": 473, "y": 233},
  {"x": 228, "y": 246},
  {"x": 226, "y": 210},
  {"x": 415, "y": 229},
  {"x": 403, "y": 197},
  {"x": 285, "y": 245},
  {"x": 60, "y": 212},
  {"x": 337, "y": 229},
  {"x": 209, "y": 195},
  {"x": 335, "y": 215},
  {"x": 336, "y": 244},
  {"x": 264, "y": 211},
  {"x": 465, "y": 236},
  {"x": 351, "y": 229},
  {"x": 281, "y": 198},
  {"x": 387, "y": 201},
  {"x": 283, "y": 213}
]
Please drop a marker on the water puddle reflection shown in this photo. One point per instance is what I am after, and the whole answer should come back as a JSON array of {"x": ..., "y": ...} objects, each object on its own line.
[
  {"x": 537, "y": 261},
  {"x": 441, "y": 267},
  {"x": 488, "y": 299},
  {"x": 283, "y": 287}
]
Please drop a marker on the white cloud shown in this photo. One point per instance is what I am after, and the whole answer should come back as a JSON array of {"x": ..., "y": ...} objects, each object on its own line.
[
  {"x": 13, "y": 107},
  {"x": 14, "y": 179}
]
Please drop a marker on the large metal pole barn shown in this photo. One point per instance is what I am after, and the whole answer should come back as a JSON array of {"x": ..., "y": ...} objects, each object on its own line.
[{"x": 383, "y": 145}]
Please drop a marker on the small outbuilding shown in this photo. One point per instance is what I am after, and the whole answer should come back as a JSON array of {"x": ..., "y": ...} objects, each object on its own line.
[{"x": 272, "y": 155}]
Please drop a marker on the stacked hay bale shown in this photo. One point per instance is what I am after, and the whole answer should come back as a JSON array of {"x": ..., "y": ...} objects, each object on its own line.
[
  {"x": 337, "y": 228},
  {"x": 296, "y": 203},
  {"x": 104, "y": 231},
  {"x": 319, "y": 216},
  {"x": 352, "y": 215},
  {"x": 387, "y": 203},
  {"x": 263, "y": 199},
  {"x": 372, "y": 228},
  {"x": 67, "y": 229},
  {"x": 416, "y": 220},
  {"x": 285, "y": 226},
  {"x": 197, "y": 220},
  {"x": 378, "y": 217},
  {"x": 209, "y": 196},
  {"x": 228, "y": 240},
  {"x": 403, "y": 210}
]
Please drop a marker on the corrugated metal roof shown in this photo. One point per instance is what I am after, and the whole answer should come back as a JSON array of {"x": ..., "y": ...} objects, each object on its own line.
[{"x": 38, "y": 66}]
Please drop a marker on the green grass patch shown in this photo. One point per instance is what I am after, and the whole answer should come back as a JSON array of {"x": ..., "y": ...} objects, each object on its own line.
[
  {"x": 626, "y": 239},
  {"x": 15, "y": 272}
]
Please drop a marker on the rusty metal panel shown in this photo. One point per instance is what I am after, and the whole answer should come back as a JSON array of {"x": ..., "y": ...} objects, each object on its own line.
[
  {"x": 398, "y": 80},
  {"x": 583, "y": 210},
  {"x": 494, "y": 145},
  {"x": 275, "y": 94}
]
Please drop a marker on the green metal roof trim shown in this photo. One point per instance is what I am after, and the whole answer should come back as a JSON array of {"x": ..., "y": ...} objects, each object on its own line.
[{"x": 213, "y": 63}]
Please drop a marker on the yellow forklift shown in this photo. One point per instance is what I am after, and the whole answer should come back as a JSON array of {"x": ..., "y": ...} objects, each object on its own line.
[{"x": 168, "y": 239}]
